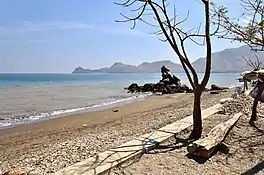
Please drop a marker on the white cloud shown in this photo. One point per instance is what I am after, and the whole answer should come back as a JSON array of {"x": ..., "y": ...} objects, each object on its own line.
[
  {"x": 27, "y": 41},
  {"x": 46, "y": 26},
  {"x": 51, "y": 25},
  {"x": 29, "y": 26}
]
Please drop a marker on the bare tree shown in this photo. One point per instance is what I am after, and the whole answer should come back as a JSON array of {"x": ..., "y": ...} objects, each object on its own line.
[
  {"x": 260, "y": 89},
  {"x": 247, "y": 28},
  {"x": 169, "y": 27},
  {"x": 254, "y": 64},
  {"x": 250, "y": 31}
]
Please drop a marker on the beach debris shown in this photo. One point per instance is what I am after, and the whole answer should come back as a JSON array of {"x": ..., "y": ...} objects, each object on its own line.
[
  {"x": 214, "y": 92},
  {"x": 16, "y": 172},
  {"x": 169, "y": 84},
  {"x": 115, "y": 110},
  {"x": 205, "y": 147},
  {"x": 84, "y": 125}
]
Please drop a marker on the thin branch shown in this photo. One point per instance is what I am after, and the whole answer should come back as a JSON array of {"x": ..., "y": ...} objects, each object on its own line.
[
  {"x": 134, "y": 19},
  {"x": 251, "y": 34},
  {"x": 128, "y": 3}
]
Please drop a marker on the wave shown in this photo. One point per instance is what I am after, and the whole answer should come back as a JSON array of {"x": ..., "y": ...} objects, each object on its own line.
[{"x": 18, "y": 120}]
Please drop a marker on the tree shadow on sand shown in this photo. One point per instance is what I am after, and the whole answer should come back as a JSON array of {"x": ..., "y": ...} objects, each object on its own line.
[
  {"x": 253, "y": 124},
  {"x": 159, "y": 149},
  {"x": 123, "y": 156},
  {"x": 254, "y": 170},
  {"x": 178, "y": 144}
]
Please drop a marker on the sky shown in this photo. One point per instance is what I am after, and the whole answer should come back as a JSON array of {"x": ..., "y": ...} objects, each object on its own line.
[{"x": 55, "y": 36}]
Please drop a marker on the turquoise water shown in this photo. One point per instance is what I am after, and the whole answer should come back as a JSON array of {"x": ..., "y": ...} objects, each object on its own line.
[{"x": 29, "y": 97}]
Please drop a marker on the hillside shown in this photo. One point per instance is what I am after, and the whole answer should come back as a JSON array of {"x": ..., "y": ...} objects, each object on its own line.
[{"x": 228, "y": 60}]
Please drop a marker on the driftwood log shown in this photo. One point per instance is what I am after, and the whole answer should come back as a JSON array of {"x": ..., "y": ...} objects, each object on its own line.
[{"x": 205, "y": 147}]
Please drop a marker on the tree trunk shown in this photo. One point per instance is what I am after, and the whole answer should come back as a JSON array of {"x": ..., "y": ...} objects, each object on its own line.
[
  {"x": 245, "y": 85},
  {"x": 255, "y": 103},
  {"x": 197, "y": 116},
  {"x": 254, "y": 111},
  {"x": 205, "y": 147}
]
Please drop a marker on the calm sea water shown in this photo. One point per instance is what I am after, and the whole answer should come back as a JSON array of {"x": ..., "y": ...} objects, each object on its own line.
[{"x": 30, "y": 97}]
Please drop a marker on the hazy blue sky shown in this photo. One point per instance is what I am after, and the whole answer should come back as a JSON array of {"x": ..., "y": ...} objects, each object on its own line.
[{"x": 58, "y": 35}]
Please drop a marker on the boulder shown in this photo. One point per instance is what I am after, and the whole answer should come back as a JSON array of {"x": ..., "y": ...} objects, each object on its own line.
[
  {"x": 164, "y": 69},
  {"x": 148, "y": 87},
  {"x": 133, "y": 88},
  {"x": 206, "y": 90},
  {"x": 186, "y": 88},
  {"x": 168, "y": 78},
  {"x": 158, "y": 87},
  {"x": 240, "y": 79},
  {"x": 175, "y": 80},
  {"x": 216, "y": 88}
]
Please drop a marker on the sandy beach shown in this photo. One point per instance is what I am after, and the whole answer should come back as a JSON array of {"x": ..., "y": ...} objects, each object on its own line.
[
  {"x": 51, "y": 145},
  {"x": 242, "y": 154}
]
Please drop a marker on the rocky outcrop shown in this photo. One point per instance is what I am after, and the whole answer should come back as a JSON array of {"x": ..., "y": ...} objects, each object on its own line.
[{"x": 169, "y": 84}]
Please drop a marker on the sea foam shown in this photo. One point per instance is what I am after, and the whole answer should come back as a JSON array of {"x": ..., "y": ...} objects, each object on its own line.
[{"x": 18, "y": 120}]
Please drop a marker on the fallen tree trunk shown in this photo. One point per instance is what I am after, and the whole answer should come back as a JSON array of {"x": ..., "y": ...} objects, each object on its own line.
[{"x": 206, "y": 146}]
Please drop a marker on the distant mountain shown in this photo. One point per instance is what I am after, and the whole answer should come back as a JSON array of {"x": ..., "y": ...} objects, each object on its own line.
[
  {"x": 124, "y": 68},
  {"x": 120, "y": 67},
  {"x": 228, "y": 60},
  {"x": 155, "y": 66}
]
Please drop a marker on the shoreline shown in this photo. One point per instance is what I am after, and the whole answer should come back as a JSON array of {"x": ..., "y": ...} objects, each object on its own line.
[
  {"x": 53, "y": 144},
  {"x": 77, "y": 117},
  {"x": 80, "y": 110}
]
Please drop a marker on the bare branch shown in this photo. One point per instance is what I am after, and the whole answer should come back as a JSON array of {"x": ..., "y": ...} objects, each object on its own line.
[
  {"x": 251, "y": 33},
  {"x": 128, "y": 3},
  {"x": 134, "y": 19},
  {"x": 256, "y": 64}
]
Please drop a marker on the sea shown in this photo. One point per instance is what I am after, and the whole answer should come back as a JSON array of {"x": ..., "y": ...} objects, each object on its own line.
[{"x": 27, "y": 98}]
